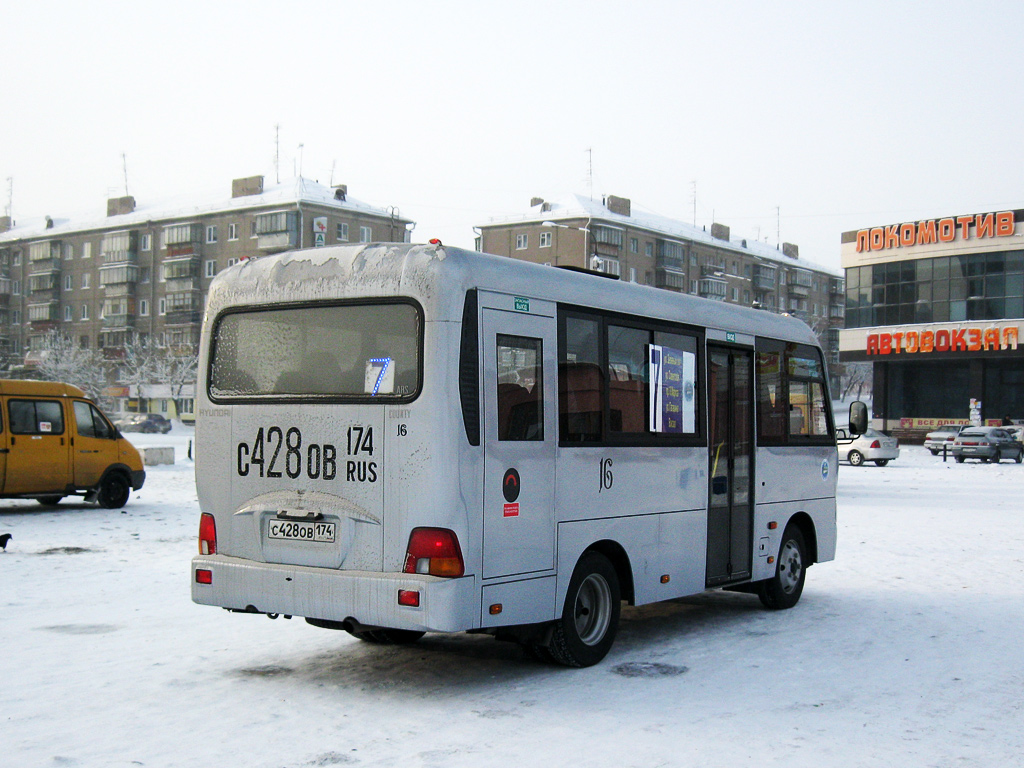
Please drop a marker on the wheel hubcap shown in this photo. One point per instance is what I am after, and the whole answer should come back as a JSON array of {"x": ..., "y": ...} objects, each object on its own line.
[
  {"x": 593, "y": 609},
  {"x": 790, "y": 566}
]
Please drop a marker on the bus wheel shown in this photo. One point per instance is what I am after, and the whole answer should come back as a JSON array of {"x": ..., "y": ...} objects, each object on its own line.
[
  {"x": 590, "y": 619},
  {"x": 856, "y": 458},
  {"x": 388, "y": 636},
  {"x": 114, "y": 491},
  {"x": 784, "y": 588}
]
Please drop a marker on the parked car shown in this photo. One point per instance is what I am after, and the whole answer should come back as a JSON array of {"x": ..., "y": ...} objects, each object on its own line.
[
  {"x": 143, "y": 422},
  {"x": 871, "y": 446},
  {"x": 943, "y": 436},
  {"x": 56, "y": 443},
  {"x": 987, "y": 444}
]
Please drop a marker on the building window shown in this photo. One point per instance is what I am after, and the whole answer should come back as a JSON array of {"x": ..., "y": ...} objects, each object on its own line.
[
  {"x": 146, "y": 242},
  {"x": 17, "y": 259},
  {"x": 211, "y": 268},
  {"x": 232, "y": 231},
  {"x": 86, "y": 250},
  {"x": 365, "y": 235},
  {"x": 634, "y": 245},
  {"x": 232, "y": 262},
  {"x": 16, "y": 287},
  {"x": 211, "y": 234},
  {"x": 734, "y": 293},
  {"x": 649, "y": 249},
  {"x": 522, "y": 242},
  {"x": 341, "y": 232},
  {"x": 16, "y": 316},
  {"x": 69, "y": 314},
  {"x": 545, "y": 239},
  {"x": 143, "y": 274},
  {"x": 632, "y": 274},
  {"x": 162, "y": 306},
  {"x": 252, "y": 228},
  {"x": 144, "y": 307},
  {"x": 85, "y": 311},
  {"x": 68, "y": 282},
  {"x": 86, "y": 280},
  {"x": 69, "y": 251}
]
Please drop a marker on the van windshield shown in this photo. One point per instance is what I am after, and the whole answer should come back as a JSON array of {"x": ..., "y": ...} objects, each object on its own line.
[{"x": 342, "y": 350}]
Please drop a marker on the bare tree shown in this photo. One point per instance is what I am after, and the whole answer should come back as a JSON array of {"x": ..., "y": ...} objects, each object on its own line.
[
  {"x": 61, "y": 359},
  {"x": 138, "y": 366},
  {"x": 177, "y": 367}
]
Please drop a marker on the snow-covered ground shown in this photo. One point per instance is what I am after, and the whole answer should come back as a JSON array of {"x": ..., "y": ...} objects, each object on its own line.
[{"x": 904, "y": 651}]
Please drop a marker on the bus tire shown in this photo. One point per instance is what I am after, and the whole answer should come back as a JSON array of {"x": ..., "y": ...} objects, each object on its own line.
[
  {"x": 585, "y": 632},
  {"x": 114, "y": 491},
  {"x": 783, "y": 590},
  {"x": 384, "y": 636}
]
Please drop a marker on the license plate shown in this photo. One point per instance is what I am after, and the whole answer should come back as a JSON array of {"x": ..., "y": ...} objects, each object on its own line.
[{"x": 295, "y": 530}]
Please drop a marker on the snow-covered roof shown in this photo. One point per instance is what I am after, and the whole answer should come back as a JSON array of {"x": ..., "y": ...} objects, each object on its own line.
[
  {"x": 288, "y": 192},
  {"x": 579, "y": 206}
]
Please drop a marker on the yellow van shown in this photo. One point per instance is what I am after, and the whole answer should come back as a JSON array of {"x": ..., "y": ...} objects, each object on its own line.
[{"x": 55, "y": 442}]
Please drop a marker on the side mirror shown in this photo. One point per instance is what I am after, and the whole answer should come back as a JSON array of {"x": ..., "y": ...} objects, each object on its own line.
[{"x": 858, "y": 418}]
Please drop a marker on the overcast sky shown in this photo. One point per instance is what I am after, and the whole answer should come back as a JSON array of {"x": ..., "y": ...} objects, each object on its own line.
[{"x": 806, "y": 119}]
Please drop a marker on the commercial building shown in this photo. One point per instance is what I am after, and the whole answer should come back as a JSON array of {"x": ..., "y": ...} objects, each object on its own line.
[
  {"x": 936, "y": 307},
  {"x": 608, "y": 236},
  {"x": 142, "y": 271}
]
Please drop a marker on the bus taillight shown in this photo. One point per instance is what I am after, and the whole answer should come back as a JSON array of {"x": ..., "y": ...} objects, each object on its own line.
[
  {"x": 434, "y": 551},
  {"x": 207, "y": 534}
]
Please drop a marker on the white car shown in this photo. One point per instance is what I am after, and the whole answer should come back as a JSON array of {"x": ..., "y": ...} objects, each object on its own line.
[
  {"x": 942, "y": 437},
  {"x": 870, "y": 446}
]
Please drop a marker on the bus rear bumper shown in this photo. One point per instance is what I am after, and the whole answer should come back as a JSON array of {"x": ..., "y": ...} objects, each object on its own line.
[{"x": 368, "y": 598}]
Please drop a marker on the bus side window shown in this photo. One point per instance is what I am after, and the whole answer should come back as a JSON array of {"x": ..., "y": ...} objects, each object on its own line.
[
  {"x": 83, "y": 419},
  {"x": 771, "y": 406},
  {"x": 580, "y": 382},
  {"x": 520, "y": 388}
]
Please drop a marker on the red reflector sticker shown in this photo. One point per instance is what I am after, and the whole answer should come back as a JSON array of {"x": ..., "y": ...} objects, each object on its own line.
[
  {"x": 204, "y": 576},
  {"x": 409, "y": 597},
  {"x": 512, "y": 510}
]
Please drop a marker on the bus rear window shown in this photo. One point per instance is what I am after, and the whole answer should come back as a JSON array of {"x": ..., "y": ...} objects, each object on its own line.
[{"x": 336, "y": 351}]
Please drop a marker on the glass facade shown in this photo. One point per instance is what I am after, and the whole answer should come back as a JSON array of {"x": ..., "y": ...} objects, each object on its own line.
[{"x": 977, "y": 286}]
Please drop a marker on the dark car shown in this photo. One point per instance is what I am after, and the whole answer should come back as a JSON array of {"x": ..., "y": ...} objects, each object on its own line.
[
  {"x": 143, "y": 422},
  {"x": 987, "y": 444}
]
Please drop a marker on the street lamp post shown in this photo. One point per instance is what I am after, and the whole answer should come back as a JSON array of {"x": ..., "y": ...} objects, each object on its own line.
[{"x": 586, "y": 238}]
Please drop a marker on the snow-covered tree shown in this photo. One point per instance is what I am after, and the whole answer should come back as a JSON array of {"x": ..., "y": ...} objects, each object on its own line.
[{"x": 61, "y": 359}]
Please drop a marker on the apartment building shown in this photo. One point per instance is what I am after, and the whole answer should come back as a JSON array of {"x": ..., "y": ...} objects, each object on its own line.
[
  {"x": 143, "y": 270},
  {"x": 608, "y": 236}
]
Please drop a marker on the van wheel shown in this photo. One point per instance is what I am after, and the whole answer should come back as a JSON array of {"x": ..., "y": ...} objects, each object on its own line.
[
  {"x": 114, "y": 491},
  {"x": 49, "y": 501},
  {"x": 783, "y": 590},
  {"x": 590, "y": 618},
  {"x": 387, "y": 636}
]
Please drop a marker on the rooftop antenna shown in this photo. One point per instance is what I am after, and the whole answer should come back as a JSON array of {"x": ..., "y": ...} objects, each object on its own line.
[
  {"x": 590, "y": 171},
  {"x": 124, "y": 165},
  {"x": 333, "y": 163},
  {"x": 694, "y": 185},
  {"x": 778, "y": 226},
  {"x": 10, "y": 196},
  {"x": 277, "y": 153},
  {"x": 300, "y": 159}
]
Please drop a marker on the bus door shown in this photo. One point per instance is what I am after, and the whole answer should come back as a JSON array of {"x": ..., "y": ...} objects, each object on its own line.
[
  {"x": 730, "y": 444},
  {"x": 519, "y": 378}
]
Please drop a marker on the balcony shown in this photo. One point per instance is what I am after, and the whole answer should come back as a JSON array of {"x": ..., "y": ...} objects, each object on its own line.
[
  {"x": 118, "y": 322},
  {"x": 180, "y": 284},
  {"x": 712, "y": 288},
  {"x": 44, "y": 266},
  {"x": 764, "y": 279},
  {"x": 119, "y": 257},
  {"x": 713, "y": 269},
  {"x": 675, "y": 263},
  {"x": 183, "y": 317}
]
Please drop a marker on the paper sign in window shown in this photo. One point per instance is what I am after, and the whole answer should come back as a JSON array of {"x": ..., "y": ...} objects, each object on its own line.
[{"x": 672, "y": 390}]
